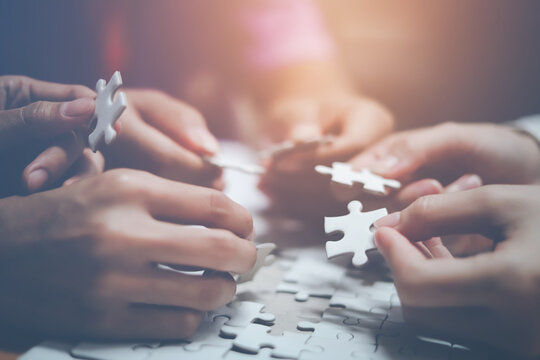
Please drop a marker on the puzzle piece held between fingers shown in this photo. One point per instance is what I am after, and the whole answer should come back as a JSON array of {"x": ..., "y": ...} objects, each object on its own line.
[
  {"x": 343, "y": 173},
  {"x": 234, "y": 165},
  {"x": 263, "y": 259},
  {"x": 357, "y": 236},
  {"x": 108, "y": 109}
]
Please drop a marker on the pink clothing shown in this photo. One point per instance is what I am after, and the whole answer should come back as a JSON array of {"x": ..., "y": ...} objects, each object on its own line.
[{"x": 284, "y": 32}]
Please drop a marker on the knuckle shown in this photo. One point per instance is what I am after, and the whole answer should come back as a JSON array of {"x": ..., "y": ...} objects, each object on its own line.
[
  {"x": 38, "y": 110},
  {"x": 215, "y": 292},
  {"x": 224, "y": 244},
  {"x": 419, "y": 211},
  {"x": 190, "y": 321},
  {"x": 219, "y": 206},
  {"x": 125, "y": 180}
]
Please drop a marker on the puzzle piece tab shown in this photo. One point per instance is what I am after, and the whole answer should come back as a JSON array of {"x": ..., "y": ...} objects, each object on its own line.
[
  {"x": 108, "y": 110},
  {"x": 357, "y": 236},
  {"x": 343, "y": 173},
  {"x": 263, "y": 259},
  {"x": 242, "y": 313}
]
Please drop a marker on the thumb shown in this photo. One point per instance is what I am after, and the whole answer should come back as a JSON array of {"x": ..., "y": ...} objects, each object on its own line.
[{"x": 43, "y": 119}]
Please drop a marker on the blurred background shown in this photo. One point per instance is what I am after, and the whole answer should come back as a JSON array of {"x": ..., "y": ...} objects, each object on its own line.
[{"x": 428, "y": 61}]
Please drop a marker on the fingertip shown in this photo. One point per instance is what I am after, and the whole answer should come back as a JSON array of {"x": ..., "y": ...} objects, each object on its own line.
[
  {"x": 77, "y": 109},
  {"x": 203, "y": 141},
  {"x": 35, "y": 179}
]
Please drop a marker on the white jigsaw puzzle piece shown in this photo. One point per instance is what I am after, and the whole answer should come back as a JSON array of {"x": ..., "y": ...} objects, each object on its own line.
[
  {"x": 49, "y": 350},
  {"x": 357, "y": 236},
  {"x": 242, "y": 313},
  {"x": 111, "y": 351},
  {"x": 343, "y": 173},
  {"x": 302, "y": 292},
  {"x": 208, "y": 334},
  {"x": 263, "y": 259},
  {"x": 263, "y": 354},
  {"x": 338, "y": 350},
  {"x": 177, "y": 351},
  {"x": 235, "y": 165},
  {"x": 108, "y": 109},
  {"x": 255, "y": 336},
  {"x": 375, "y": 183}
]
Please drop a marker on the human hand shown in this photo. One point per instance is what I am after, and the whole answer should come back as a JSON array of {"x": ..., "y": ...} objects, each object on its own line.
[
  {"x": 498, "y": 154},
  {"x": 81, "y": 260},
  {"x": 493, "y": 297},
  {"x": 42, "y": 130},
  {"x": 166, "y": 137},
  {"x": 354, "y": 122}
]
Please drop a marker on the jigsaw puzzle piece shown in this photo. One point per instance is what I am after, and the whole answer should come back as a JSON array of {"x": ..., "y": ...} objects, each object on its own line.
[
  {"x": 112, "y": 351},
  {"x": 256, "y": 336},
  {"x": 357, "y": 236},
  {"x": 263, "y": 259},
  {"x": 307, "y": 271},
  {"x": 332, "y": 349},
  {"x": 108, "y": 109},
  {"x": 263, "y": 354},
  {"x": 375, "y": 183},
  {"x": 302, "y": 292},
  {"x": 175, "y": 352},
  {"x": 332, "y": 326},
  {"x": 242, "y": 313},
  {"x": 208, "y": 334},
  {"x": 342, "y": 173},
  {"x": 49, "y": 350},
  {"x": 226, "y": 163}
]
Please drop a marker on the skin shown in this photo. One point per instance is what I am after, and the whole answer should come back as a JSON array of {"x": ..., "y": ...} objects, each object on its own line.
[
  {"x": 498, "y": 154},
  {"x": 80, "y": 260},
  {"x": 164, "y": 136},
  {"x": 307, "y": 101},
  {"x": 43, "y": 127},
  {"x": 493, "y": 296}
]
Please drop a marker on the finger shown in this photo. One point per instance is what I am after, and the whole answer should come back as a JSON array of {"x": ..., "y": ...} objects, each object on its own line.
[
  {"x": 466, "y": 212},
  {"x": 53, "y": 163},
  {"x": 296, "y": 120},
  {"x": 170, "y": 200},
  {"x": 146, "y": 322},
  {"x": 18, "y": 91},
  {"x": 89, "y": 164},
  {"x": 215, "y": 249},
  {"x": 177, "y": 120},
  {"x": 438, "y": 282},
  {"x": 160, "y": 287},
  {"x": 418, "y": 189},
  {"x": 361, "y": 125},
  {"x": 44, "y": 119},
  {"x": 437, "y": 249},
  {"x": 466, "y": 182},
  {"x": 141, "y": 146},
  {"x": 400, "y": 155}
]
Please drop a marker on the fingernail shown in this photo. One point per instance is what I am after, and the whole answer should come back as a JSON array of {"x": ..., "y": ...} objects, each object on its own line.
[
  {"x": 77, "y": 108},
  {"x": 391, "y": 220},
  {"x": 466, "y": 182},
  {"x": 385, "y": 164},
  {"x": 204, "y": 139},
  {"x": 36, "y": 179}
]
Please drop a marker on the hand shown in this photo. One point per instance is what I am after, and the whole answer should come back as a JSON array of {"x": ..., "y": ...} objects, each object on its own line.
[
  {"x": 355, "y": 122},
  {"x": 81, "y": 260},
  {"x": 498, "y": 154},
  {"x": 166, "y": 137},
  {"x": 42, "y": 130},
  {"x": 492, "y": 297}
]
